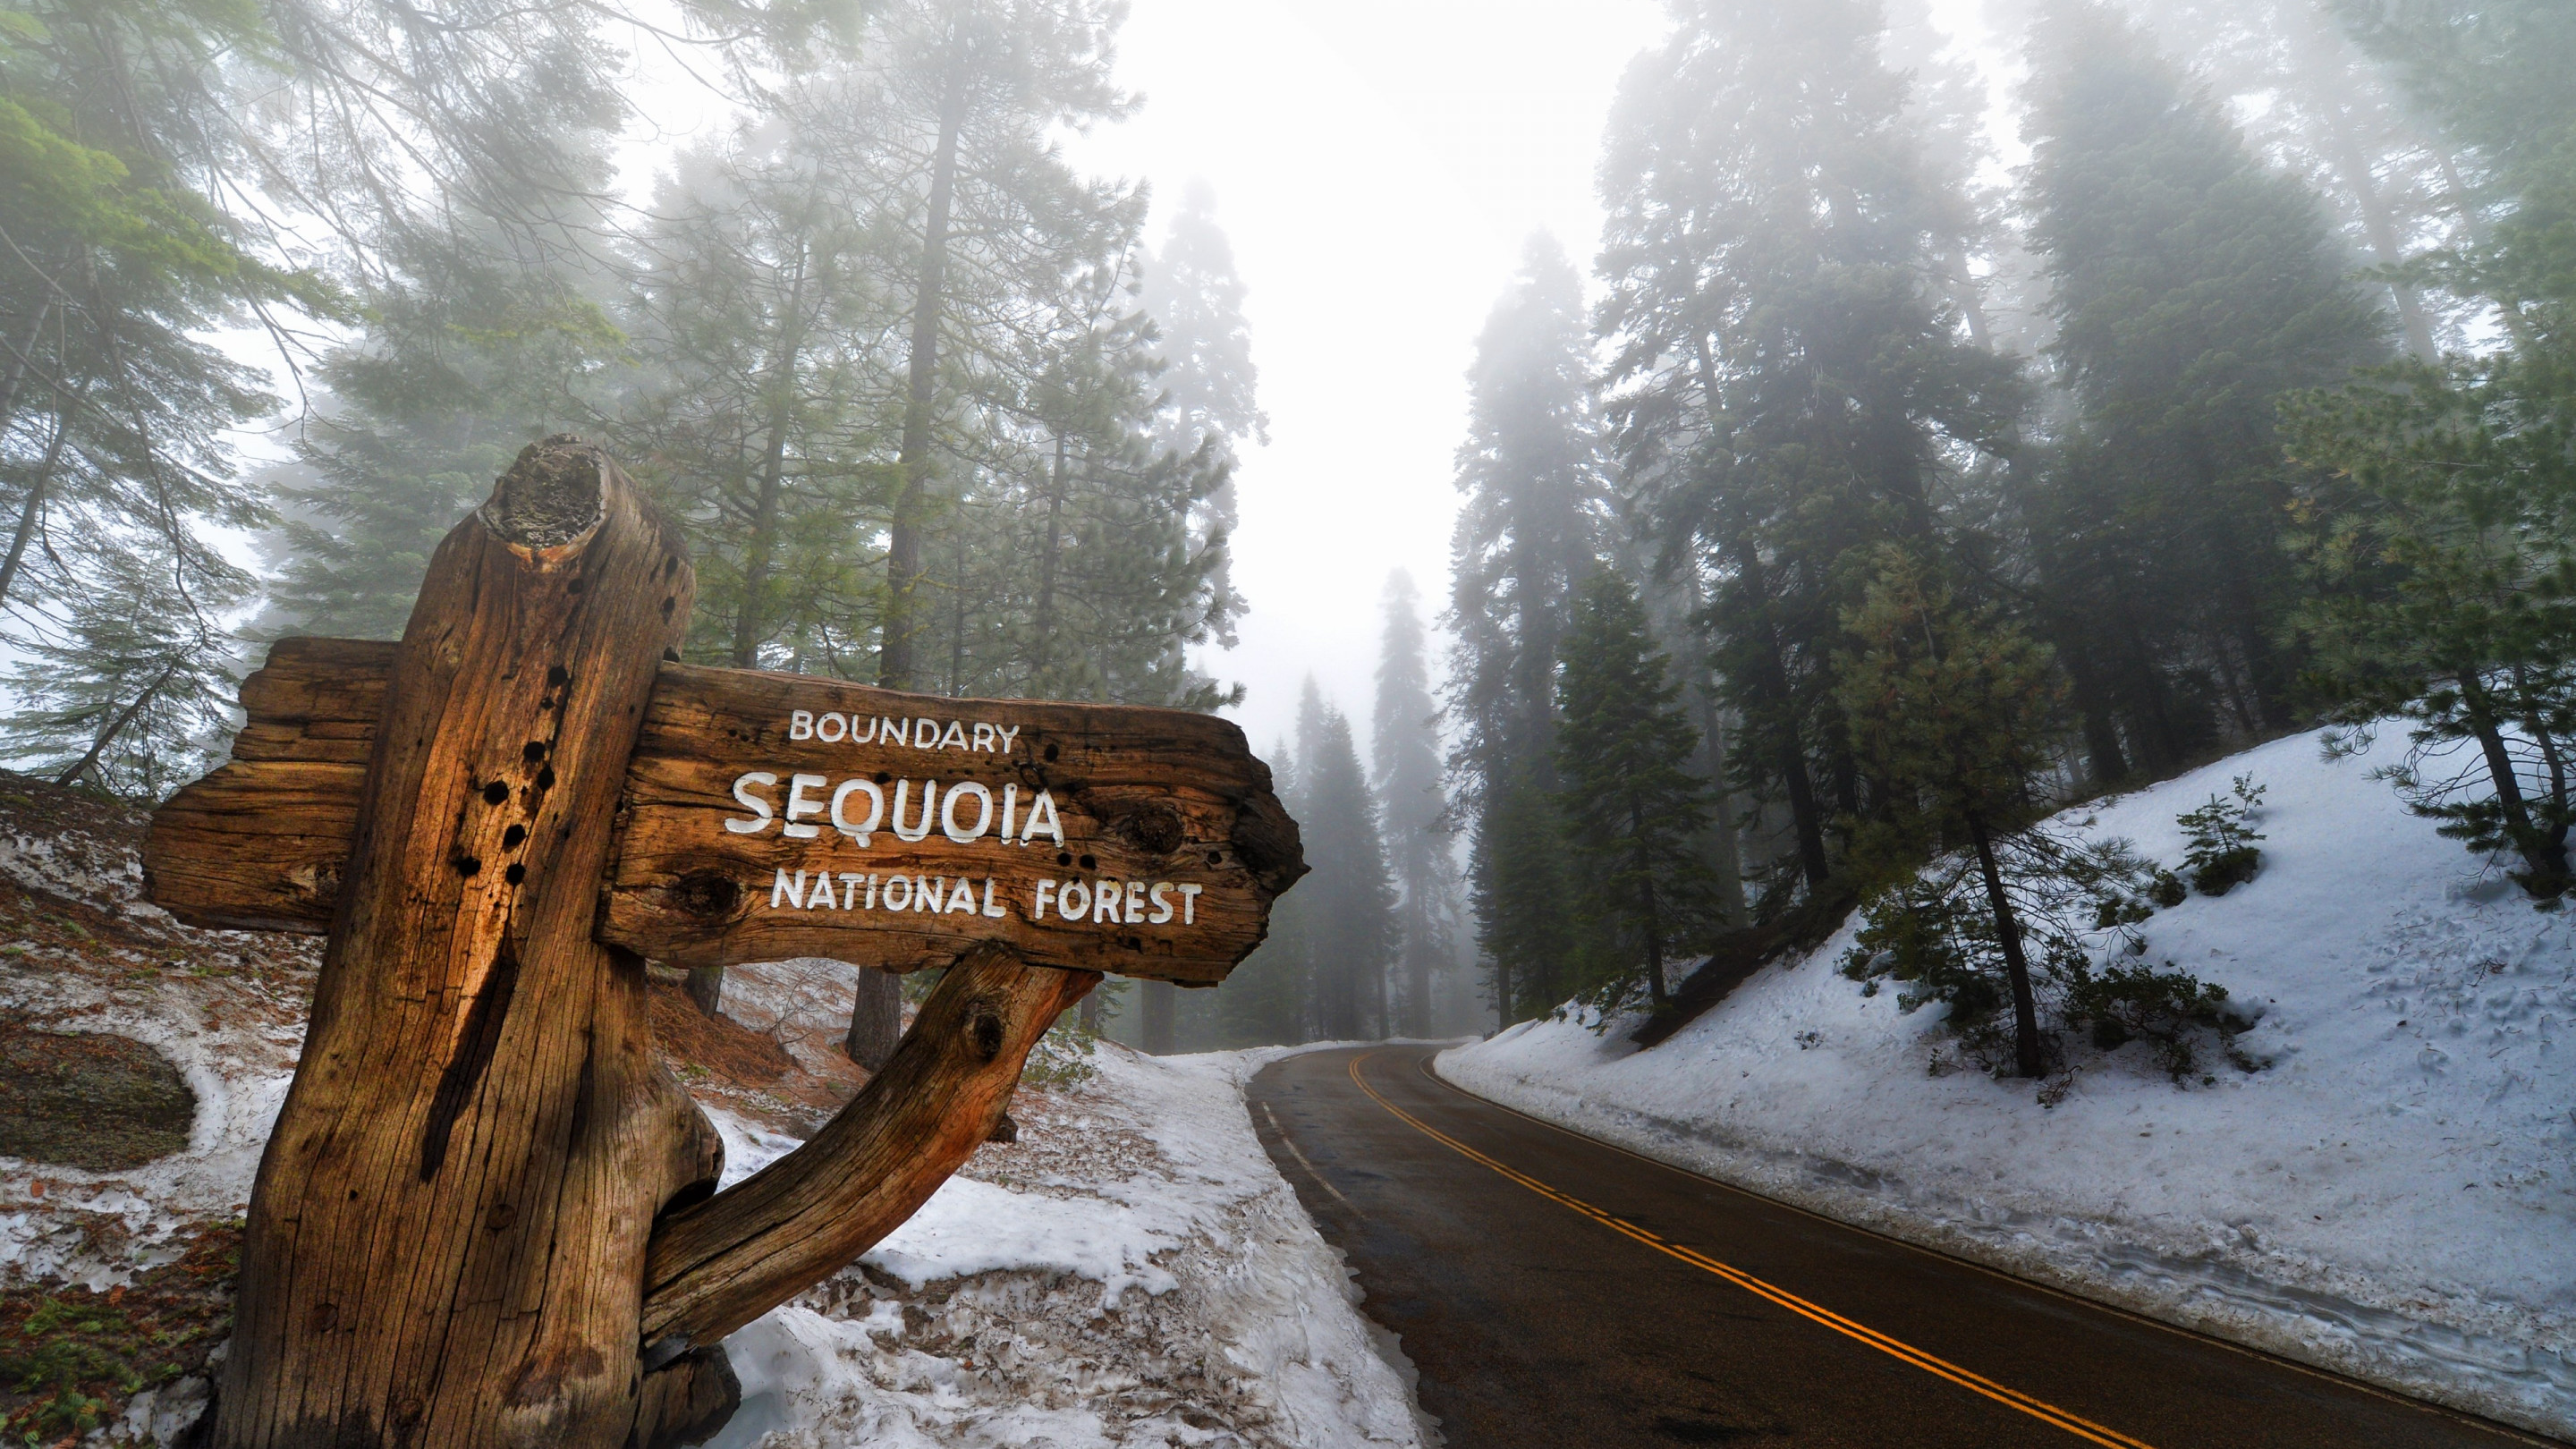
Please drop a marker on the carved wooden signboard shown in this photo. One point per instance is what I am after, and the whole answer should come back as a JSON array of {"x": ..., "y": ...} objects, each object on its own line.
[
  {"x": 485, "y": 1216},
  {"x": 774, "y": 815}
]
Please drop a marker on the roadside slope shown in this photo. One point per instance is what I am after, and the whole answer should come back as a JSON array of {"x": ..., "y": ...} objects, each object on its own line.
[{"x": 2393, "y": 1197}]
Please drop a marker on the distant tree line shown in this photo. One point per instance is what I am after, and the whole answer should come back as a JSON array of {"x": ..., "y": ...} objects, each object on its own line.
[{"x": 1876, "y": 509}]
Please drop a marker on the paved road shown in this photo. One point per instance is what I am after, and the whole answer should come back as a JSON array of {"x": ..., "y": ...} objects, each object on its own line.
[{"x": 1555, "y": 1292}]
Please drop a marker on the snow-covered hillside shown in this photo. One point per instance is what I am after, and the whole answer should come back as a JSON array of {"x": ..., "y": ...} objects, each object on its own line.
[{"x": 2394, "y": 1196}]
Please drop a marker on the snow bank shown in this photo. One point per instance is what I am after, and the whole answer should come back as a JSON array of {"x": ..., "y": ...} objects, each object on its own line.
[
  {"x": 1141, "y": 1275},
  {"x": 2394, "y": 1197}
]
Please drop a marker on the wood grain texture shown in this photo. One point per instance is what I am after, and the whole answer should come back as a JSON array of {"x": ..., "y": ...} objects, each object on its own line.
[
  {"x": 450, "y": 1218},
  {"x": 1143, "y": 796},
  {"x": 716, "y": 1265}
]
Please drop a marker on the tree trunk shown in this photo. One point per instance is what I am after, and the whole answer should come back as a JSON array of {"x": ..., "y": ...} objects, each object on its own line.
[
  {"x": 876, "y": 1019},
  {"x": 447, "y": 1234},
  {"x": 33, "y": 508},
  {"x": 706, "y": 989},
  {"x": 1158, "y": 1013},
  {"x": 2028, "y": 1057},
  {"x": 2543, "y": 852},
  {"x": 1417, "y": 989},
  {"x": 904, "y": 568}
]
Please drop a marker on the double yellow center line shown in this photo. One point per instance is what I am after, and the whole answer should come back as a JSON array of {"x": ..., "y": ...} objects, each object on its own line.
[{"x": 2038, "y": 1409}]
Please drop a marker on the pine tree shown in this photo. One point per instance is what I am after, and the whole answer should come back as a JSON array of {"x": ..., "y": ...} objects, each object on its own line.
[
  {"x": 1633, "y": 812},
  {"x": 1525, "y": 535},
  {"x": 2439, "y": 548},
  {"x": 1955, "y": 711},
  {"x": 1792, "y": 379},
  {"x": 1209, "y": 381},
  {"x": 1267, "y": 999},
  {"x": 2193, "y": 288},
  {"x": 116, "y": 474},
  {"x": 1350, "y": 912},
  {"x": 966, "y": 100},
  {"x": 1405, "y": 750}
]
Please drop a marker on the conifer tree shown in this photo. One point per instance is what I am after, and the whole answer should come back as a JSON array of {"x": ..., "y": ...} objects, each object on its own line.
[
  {"x": 1526, "y": 534},
  {"x": 1954, "y": 709},
  {"x": 2193, "y": 288},
  {"x": 1208, "y": 378},
  {"x": 1634, "y": 814},
  {"x": 1792, "y": 377},
  {"x": 1350, "y": 913},
  {"x": 1405, "y": 749},
  {"x": 2439, "y": 550},
  {"x": 1268, "y": 998}
]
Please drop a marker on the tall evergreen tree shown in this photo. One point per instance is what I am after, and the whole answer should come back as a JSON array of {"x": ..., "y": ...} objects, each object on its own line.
[
  {"x": 1792, "y": 378},
  {"x": 1526, "y": 534},
  {"x": 2440, "y": 542},
  {"x": 1954, "y": 709},
  {"x": 114, "y": 404},
  {"x": 2193, "y": 288},
  {"x": 1404, "y": 745},
  {"x": 1633, "y": 812},
  {"x": 1350, "y": 913},
  {"x": 1209, "y": 381}
]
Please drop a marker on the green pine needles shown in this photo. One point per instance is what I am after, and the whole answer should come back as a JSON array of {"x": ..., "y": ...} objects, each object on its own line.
[{"x": 1634, "y": 815}]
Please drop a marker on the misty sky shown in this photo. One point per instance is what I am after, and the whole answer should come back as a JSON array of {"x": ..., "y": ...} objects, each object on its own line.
[{"x": 1378, "y": 165}]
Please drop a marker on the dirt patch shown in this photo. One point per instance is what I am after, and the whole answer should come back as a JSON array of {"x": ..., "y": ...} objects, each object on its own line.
[
  {"x": 88, "y": 1099},
  {"x": 70, "y": 1358}
]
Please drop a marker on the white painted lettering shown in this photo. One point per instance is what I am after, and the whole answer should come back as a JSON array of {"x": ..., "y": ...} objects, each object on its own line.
[
  {"x": 800, "y": 724},
  {"x": 928, "y": 893},
  {"x": 1010, "y": 809},
  {"x": 870, "y": 903},
  {"x": 1066, "y": 907},
  {"x": 984, "y": 737},
  {"x": 798, "y": 807},
  {"x": 948, "y": 812},
  {"x": 832, "y": 728},
  {"x": 895, "y": 901},
  {"x": 781, "y": 891},
  {"x": 1190, "y": 904},
  {"x": 1162, "y": 907},
  {"x": 822, "y": 891},
  {"x": 862, "y": 730},
  {"x": 961, "y": 897},
  {"x": 1135, "y": 902},
  {"x": 1009, "y": 733},
  {"x": 956, "y": 732},
  {"x": 1042, "y": 819},
  {"x": 758, "y": 807},
  {"x": 850, "y": 888},
  {"x": 876, "y": 810},
  {"x": 1104, "y": 903},
  {"x": 929, "y": 802},
  {"x": 1046, "y": 893},
  {"x": 925, "y": 734},
  {"x": 991, "y": 910},
  {"x": 892, "y": 731}
]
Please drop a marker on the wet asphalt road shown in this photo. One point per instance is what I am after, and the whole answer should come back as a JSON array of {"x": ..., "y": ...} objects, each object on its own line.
[{"x": 1555, "y": 1292}]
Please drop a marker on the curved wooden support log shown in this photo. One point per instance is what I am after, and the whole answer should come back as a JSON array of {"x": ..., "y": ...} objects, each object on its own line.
[{"x": 715, "y": 1266}]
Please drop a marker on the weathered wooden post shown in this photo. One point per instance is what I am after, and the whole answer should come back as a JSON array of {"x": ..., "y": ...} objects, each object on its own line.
[{"x": 486, "y": 1216}]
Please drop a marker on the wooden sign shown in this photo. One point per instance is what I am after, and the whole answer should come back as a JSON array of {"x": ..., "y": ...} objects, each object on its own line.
[
  {"x": 775, "y": 815},
  {"x": 487, "y": 1214}
]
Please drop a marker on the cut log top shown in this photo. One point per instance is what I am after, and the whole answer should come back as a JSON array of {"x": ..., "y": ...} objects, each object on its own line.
[{"x": 769, "y": 815}]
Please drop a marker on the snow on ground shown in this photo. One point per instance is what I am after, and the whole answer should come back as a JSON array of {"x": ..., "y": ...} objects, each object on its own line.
[
  {"x": 1132, "y": 1272},
  {"x": 2393, "y": 1197}
]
